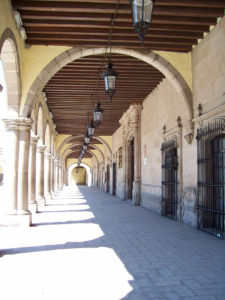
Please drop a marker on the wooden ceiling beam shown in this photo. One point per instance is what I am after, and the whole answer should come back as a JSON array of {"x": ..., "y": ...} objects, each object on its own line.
[
  {"x": 75, "y": 7},
  {"x": 118, "y": 32},
  {"x": 102, "y": 39},
  {"x": 169, "y": 47}
]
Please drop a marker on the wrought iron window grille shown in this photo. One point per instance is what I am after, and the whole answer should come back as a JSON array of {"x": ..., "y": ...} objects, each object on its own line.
[{"x": 211, "y": 178}]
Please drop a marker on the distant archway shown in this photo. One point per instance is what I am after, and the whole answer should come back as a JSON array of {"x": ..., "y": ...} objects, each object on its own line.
[{"x": 87, "y": 168}]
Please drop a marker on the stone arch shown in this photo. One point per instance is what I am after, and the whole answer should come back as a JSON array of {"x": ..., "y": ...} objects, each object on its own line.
[
  {"x": 47, "y": 137},
  {"x": 52, "y": 144},
  {"x": 73, "y": 151},
  {"x": 67, "y": 140},
  {"x": 87, "y": 168},
  {"x": 40, "y": 125},
  {"x": 10, "y": 61},
  {"x": 74, "y": 145},
  {"x": 169, "y": 71}
]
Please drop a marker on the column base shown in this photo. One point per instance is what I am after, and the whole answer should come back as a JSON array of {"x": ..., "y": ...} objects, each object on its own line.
[
  {"x": 41, "y": 201},
  {"x": 48, "y": 197},
  {"x": 33, "y": 207},
  {"x": 23, "y": 220}
]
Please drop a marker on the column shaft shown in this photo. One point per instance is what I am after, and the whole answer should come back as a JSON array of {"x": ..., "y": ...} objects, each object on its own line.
[
  {"x": 40, "y": 175},
  {"x": 32, "y": 175}
]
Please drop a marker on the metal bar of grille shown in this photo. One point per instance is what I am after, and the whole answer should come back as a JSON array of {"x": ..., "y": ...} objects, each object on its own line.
[
  {"x": 169, "y": 180},
  {"x": 211, "y": 178}
]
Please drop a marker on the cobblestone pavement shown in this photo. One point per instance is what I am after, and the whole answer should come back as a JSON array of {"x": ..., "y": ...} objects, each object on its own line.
[{"x": 90, "y": 245}]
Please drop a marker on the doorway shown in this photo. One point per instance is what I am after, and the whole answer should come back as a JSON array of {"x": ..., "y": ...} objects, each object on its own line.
[
  {"x": 130, "y": 171},
  {"x": 107, "y": 179},
  {"x": 114, "y": 179}
]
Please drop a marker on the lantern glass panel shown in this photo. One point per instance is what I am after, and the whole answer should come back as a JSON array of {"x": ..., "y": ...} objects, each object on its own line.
[
  {"x": 142, "y": 10},
  {"x": 97, "y": 116},
  {"x": 110, "y": 83}
]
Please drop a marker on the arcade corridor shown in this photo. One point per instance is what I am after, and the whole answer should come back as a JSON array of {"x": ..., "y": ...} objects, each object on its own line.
[{"x": 87, "y": 244}]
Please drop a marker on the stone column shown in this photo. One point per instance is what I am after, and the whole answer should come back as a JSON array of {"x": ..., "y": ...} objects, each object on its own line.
[
  {"x": 32, "y": 204},
  {"x": 56, "y": 163},
  {"x": 59, "y": 176},
  {"x": 122, "y": 185},
  {"x": 52, "y": 176},
  {"x": 136, "y": 125},
  {"x": 40, "y": 175},
  {"x": 15, "y": 200},
  {"x": 24, "y": 147},
  {"x": 47, "y": 175},
  {"x": 136, "y": 197}
]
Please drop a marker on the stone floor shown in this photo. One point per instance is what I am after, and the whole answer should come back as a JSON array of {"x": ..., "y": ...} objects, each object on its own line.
[{"x": 90, "y": 245}]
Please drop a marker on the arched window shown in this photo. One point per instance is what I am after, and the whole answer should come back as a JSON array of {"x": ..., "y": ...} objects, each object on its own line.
[{"x": 211, "y": 178}]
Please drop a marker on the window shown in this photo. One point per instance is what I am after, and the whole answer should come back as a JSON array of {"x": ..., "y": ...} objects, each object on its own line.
[
  {"x": 211, "y": 178},
  {"x": 120, "y": 154}
]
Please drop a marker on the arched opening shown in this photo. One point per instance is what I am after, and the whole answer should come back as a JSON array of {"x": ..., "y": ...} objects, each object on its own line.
[
  {"x": 85, "y": 174},
  {"x": 130, "y": 168},
  {"x": 3, "y": 109},
  {"x": 79, "y": 176},
  {"x": 9, "y": 101}
]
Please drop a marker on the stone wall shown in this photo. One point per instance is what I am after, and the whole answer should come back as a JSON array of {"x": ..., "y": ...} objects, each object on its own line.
[{"x": 208, "y": 68}]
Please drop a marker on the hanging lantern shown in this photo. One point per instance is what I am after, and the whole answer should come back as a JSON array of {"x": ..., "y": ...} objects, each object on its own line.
[
  {"x": 91, "y": 129},
  {"x": 141, "y": 14},
  {"x": 87, "y": 138},
  {"x": 85, "y": 147},
  {"x": 97, "y": 114},
  {"x": 110, "y": 76}
]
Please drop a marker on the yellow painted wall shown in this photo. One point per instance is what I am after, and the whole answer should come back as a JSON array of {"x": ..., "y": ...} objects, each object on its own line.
[
  {"x": 71, "y": 161},
  {"x": 35, "y": 59},
  {"x": 108, "y": 139},
  {"x": 59, "y": 139},
  {"x": 181, "y": 61},
  {"x": 1, "y": 170},
  {"x": 78, "y": 175}
]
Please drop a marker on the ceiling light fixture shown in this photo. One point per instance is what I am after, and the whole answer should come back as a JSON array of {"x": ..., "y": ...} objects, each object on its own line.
[{"x": 141, "y": 14}]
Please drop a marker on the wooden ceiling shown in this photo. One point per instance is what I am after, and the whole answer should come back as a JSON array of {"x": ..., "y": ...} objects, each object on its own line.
[
  {"x": 73, "y": 91},
  {"x": 176, "y": 24}
]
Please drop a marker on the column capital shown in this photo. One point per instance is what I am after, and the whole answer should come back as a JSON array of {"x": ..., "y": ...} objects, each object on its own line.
[
  {"x": 18, "y": 123},
  {"x": 48, "y": 155},
  {"x": 34, "y": 139},
  {"x": 41, "y": 148}
]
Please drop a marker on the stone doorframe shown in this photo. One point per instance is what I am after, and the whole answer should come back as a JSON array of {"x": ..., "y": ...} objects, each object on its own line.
[{"x": 131, "y": 124}]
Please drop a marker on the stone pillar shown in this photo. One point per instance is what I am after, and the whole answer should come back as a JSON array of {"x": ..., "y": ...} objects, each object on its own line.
[
  {"x": 59, "y": 176},
  {"x": 52, "y": 176},
  {"x": 32, "y": 204},
  {"x": 40, "y": 175},
  {"x": 136, "y": 197},
  {"x": 24, "y": 147},
  {"x": 15, "y": 200},
  {"x": 56, "y": 163},
  {"x": 47, "y": 176}
]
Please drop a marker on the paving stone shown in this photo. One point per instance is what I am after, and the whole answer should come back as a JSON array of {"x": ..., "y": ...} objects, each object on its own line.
[{"x": 87, "y": 244}]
